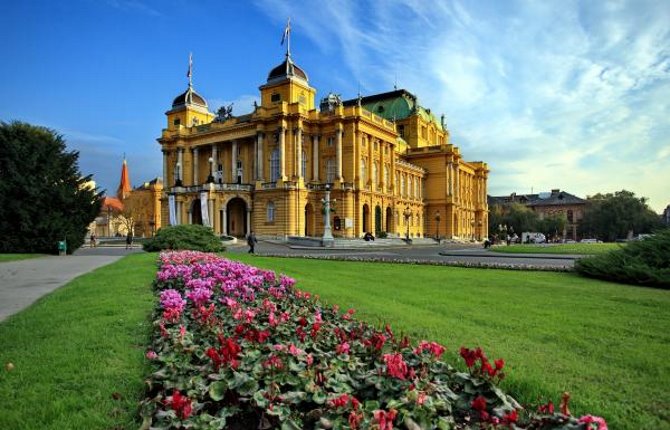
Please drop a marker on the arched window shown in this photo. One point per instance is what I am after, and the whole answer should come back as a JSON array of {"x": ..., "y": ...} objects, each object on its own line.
[
  {"x": 330, "y": 170},
  {"x": 270, "y": 212},
  {"x": 364, "y": 171},
  {"x": 274, "y": 166}
]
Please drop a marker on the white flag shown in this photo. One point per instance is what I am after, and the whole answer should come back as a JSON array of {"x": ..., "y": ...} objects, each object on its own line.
[
  {"x": 204, "y": 209},
  {"x": 172, "y": 209}
]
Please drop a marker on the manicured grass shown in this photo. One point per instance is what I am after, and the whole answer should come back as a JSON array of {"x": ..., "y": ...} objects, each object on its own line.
[
  {"x": 559, "y": 248},
  {"x": 14, "y": 257},
  {"x": 79, "y": 352},
  {"x": 605, "y": 343}
]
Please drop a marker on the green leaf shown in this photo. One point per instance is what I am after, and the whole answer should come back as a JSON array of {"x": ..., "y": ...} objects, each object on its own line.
[
  {"x": 217, "y": 390},
  {"x": 319, "y": 397}
]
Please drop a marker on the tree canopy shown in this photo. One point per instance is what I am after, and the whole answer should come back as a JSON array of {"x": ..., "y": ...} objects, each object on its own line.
[
  {"x": 618, "y": 215},
  {"x": 43, "y": 196}
]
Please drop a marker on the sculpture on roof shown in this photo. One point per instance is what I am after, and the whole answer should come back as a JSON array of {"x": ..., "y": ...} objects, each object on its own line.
[
  {"x": 330, "y": 102},
  {"x": 224, "y": 113}
]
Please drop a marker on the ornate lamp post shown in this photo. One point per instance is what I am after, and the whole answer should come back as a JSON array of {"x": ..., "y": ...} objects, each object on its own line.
[
  {"x": 437, "y": 228},
  {"x": 210, "y": 178},
  {"x": 407, "y": 213},
  {"x": 327, "y": 240}
]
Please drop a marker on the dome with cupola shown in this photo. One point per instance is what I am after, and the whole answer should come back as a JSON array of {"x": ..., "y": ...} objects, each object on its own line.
[
  {"x": 189, "y": 97},
  {"x": 287, "y": 69}
]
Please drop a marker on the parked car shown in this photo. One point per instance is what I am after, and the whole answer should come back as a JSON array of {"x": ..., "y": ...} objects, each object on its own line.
[
  {"x": 569, "y": 241},
  {"x": 591, "y": 241}
]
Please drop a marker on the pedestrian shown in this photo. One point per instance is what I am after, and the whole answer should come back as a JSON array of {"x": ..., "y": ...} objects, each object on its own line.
[
  {"x": 252, "y": 241},
  {"x": 93, "y": 240},
  {"x": 129, "y": 240}
]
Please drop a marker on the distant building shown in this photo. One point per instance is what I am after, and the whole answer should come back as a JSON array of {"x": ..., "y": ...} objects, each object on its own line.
[
  {"x": 132, "y": 209},
  {"x": 547, "y": 204},
  {"x": 387, "y": 160}
]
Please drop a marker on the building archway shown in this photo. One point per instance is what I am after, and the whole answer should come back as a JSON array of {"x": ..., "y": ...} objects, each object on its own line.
[
  {"x": 236, "y": 216},
  {"x": 196, "y": 212},
  {"x": 366, "y": 218},
  {"x": 310, "y": 220},
  {"x": 389, "y": 220},
  {"x": 378, "y": 220}
]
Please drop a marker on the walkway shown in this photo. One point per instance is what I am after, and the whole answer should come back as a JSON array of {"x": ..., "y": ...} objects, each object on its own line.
[{"x": 23, "y": 282}]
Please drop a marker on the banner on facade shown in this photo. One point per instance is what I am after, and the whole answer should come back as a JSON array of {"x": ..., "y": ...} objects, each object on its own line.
[
  {"x": 204, "y": 209},
  {"x": 172, "y": 210}
]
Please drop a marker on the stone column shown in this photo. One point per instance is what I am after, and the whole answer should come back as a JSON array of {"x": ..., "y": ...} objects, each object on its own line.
[
  {"x": 196, "y": 180},
  {"x": 338, "y": 152},
  {"x": 180, "y": 163},
  {"x": 259, "y": 156},
  {"x": 165, "y": 169},
  {"x": 215, "y": 157},
  {"x": 248, "y": 222},
  {"x": 224, "y": 227},
  {"x": 233, "y": 170},
  {"x": 298, "y": 152},
  {"x": 210, "y": 212},
  {"x": 315, "y": 158},
  {"x": 282, "y": 152},
  {"x": 371, "y": 178}
]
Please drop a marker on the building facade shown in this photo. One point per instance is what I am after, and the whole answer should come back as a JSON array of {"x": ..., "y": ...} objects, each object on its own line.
[
  {"x": 545, "y": 204},
  {"x": 387, "y": 161}
]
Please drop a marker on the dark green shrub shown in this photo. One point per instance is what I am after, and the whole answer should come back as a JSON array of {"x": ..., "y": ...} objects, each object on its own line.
[
  {"x": 645, "y": 262},
  {"x": 185, "y": 237}
]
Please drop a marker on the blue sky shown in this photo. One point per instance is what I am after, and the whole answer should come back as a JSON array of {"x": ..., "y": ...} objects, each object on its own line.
[{"x": 552, "y": 94}]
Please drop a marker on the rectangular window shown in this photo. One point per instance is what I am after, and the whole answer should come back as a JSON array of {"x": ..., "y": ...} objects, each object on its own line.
[
  {"x": 330, "y": 141},
  {"x": 275, "y": 98}
]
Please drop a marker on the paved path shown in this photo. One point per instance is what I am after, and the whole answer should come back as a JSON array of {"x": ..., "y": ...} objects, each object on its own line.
[
  {"x": 455, "y": 253},
  {"x": 24, "y": 281}
]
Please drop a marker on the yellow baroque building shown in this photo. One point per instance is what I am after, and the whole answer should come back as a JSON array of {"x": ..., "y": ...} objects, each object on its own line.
[{"x": 387, "y": 161}]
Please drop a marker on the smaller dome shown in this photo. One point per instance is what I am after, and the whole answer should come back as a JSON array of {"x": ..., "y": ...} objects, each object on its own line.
[
  {"x": 287, "y": 69},
  {"x": 189, "y": 97}
]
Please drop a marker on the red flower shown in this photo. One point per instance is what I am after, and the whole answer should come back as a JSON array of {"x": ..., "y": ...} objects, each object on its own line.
[
  {"x": 385, "y": 419},
  {"x": 378, "y": 340},
  {"x": 510, "y": 418},
  {"x": 546, "y": 409},
  {"x": 342, "y": 348},
  {"x": 479, "y": 404},
  {"x": 395, "y": 365},
  {"x": 469, "y": 356},
  {"x": 180, "y": 404},
  {"x": 500, "y": 363},
  {"x": 355, "y": 420}
]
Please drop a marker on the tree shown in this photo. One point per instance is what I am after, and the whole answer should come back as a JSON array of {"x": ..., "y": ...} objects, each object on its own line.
[
  {"x": 617, "y": 216},
  {"x": 43, "y": 196},
  {"x": 517, "y": 217},
  {"x": 553, "y": 225}
]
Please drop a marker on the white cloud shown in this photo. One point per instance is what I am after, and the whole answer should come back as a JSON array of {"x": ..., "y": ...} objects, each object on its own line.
[{"x": 569, "y": 95}]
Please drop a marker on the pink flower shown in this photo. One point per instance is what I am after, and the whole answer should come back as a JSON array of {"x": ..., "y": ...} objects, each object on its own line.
[
  {"x": 396, "y": 366},
  {"x": 309, "y": 359},
  {"x": 589, "y": 419},
  {"x": 294, "y": 351},
  {"x": 385, "y": 419},
  {"x": 151, "y": 355},
  {"x": 422, "y": 398},
  {"x": 342, "y": 348}
]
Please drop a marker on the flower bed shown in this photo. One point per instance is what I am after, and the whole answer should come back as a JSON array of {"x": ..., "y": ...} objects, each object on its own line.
[{"x": 239, "y": 347}]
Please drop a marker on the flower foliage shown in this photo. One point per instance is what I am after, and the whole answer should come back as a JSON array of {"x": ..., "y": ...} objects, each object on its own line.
[{"x": 239, "y": 347}]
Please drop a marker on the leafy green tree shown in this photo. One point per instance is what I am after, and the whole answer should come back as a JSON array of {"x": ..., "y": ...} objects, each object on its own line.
[
  {"x": 552, "y": 225},
  {"x": 43, "y": 196},
  {"x": 618, "y": 215},
  {"x": 517, "y": 217}
]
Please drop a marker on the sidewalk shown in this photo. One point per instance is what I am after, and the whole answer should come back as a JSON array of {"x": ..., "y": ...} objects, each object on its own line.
[{"x": 23, "y": 282}]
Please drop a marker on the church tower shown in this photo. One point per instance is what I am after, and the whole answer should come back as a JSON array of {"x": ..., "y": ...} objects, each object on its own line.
[{"x": 125, "y": 188}]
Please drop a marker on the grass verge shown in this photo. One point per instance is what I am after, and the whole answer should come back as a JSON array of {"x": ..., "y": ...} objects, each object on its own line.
[
  {"x": 562, "y": 248},
  {"x": 78, "y": 353},
  {"x": 15, "y": 257},
  {"x": 605, "y": 343}
]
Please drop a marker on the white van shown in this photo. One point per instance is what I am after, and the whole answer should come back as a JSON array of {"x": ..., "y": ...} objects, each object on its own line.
[{"x": 532, "y": 237}]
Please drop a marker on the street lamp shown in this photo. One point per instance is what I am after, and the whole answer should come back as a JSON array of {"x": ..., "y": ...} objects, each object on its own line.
[
  {"x": 328, "y": 240},
  {"x": 407, "y": 213},
  {"x": 210, "y": 178},
  {"x": 177, "y": 181},
  {"x": 437, "y": 228}
]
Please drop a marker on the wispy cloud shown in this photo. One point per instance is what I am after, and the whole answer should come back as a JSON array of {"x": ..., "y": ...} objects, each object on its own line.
[
  {"x": 569, "y": 95},
  {"x": 134, "y": 6}
]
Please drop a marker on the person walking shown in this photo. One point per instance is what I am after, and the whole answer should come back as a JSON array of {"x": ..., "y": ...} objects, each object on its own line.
[
  {"x": 129, "y": 240},
  {"x": 252, "y": 241}
]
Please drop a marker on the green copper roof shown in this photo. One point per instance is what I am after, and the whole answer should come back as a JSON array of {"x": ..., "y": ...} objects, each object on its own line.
[{"x": 396, "y": 105}]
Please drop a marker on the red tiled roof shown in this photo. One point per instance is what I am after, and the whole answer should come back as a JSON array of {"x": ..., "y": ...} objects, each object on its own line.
[{"x": 112, "y": 203}]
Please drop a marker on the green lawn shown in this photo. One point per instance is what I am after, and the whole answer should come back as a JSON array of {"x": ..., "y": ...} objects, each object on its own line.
[
  {"x": 14, "y": 257},
  {"x": 559, "y": 248},
  {"x": 77, "y": 349},
  {"x": 605, "y": 343}
]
